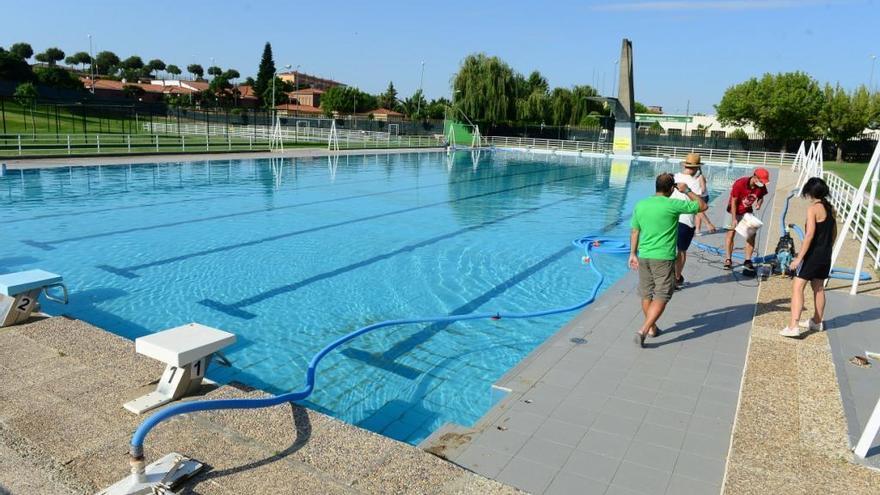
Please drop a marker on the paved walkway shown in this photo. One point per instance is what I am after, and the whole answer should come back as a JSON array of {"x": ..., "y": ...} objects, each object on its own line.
[
  {"x": 63, "y": 429},
  {"x": 589, "y": 412},
  {"x": 852, "y": 329}
]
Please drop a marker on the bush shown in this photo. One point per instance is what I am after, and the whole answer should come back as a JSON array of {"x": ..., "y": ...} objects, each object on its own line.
[{"x": 56, "y": 77}]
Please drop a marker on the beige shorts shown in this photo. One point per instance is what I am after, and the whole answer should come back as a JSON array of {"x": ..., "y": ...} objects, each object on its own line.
[{"x": 656, "y": 279}]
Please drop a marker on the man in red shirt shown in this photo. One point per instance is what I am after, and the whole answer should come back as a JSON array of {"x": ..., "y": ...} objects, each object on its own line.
[{"x": 746, "y": 195}]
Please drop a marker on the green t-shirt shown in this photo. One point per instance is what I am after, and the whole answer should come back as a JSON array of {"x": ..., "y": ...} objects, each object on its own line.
[{"x": 656, "y": 218}]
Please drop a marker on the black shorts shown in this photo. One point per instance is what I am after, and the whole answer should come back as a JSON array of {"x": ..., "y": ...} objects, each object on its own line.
[
  {"x": 705, "y": 198},
  {"x": 814, "y": 268},
  {"x": 685, "y": 236}
]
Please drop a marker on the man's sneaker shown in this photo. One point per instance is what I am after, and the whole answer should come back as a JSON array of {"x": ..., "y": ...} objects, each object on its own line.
[
  {"x": 679, "y": 283},
  {"x": 790, "y": 332},
  {"x": 812, "y": 325}
]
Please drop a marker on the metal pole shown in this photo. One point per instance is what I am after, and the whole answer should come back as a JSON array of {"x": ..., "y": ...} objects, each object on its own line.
[
  {"x": 869, "y": 217},
  {"x": 871, "y": 79},
  {"x": 421, "y": 80}
]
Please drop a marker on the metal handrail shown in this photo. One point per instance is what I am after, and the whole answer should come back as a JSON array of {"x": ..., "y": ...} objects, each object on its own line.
[{"x": 842, "y": 199}]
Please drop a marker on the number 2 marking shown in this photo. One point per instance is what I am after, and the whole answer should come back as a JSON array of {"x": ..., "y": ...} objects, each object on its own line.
[{"x": 25, "y": 302}]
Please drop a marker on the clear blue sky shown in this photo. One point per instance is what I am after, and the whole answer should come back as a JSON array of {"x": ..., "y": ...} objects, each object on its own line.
[{"x": 683, "y": 50}]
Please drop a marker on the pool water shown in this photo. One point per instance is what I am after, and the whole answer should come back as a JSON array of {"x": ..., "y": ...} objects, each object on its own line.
[{"x": 290, "y": 254}]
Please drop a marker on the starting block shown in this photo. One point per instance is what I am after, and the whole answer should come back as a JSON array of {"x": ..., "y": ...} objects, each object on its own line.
[
  {"x": 186, "y": 351},
  {"x": 19, "y": 293}
]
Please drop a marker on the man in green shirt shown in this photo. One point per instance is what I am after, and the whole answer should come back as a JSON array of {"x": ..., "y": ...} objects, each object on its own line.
[{"x": 653, "y": 247}]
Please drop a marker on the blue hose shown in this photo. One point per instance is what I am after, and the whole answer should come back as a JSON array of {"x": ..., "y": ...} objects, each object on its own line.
[
  {"x": 589, "y": 243},
  {"x": 720, "y": 252}
]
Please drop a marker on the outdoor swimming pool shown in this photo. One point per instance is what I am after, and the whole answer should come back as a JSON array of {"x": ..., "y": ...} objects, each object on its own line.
[{"x": 290, "y": 254}]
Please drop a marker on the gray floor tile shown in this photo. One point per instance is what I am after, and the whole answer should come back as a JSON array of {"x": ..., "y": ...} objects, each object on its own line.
[
  {"x": 679, "y": 485},
  {"x": 710, "y": 427},
  {"x": 527, "y": 475},
  {"x": 483, "y": 460},
  {"x": 652, "y": 456},
  {"x": 508, "y": 442},
  {"x": 659, "y": 435},
  {"x": 567, "y": 483},
  {"x": 668, "y": 418},
  {"x": 675, "y": 402},
  {"x": 713, "y": 447},
  {"x": 625, "y": 408},
  {"x": 641, "y": 479},
  {"x": 575, "y": 415},
  {"x": 562, "y": 378},
  {"x": 716, "y": 410},
  {"x": 615, "y": 424},
  {"x": 519, "y": 421},
  {"x": 592, "y": 465},
  {"x": 700, "y": 468},
  {"x": 688, "y": 389},
  {"x": 561, "y": 432},
  {"x": 545, "y": 452},
  {"x": 722, "y": 395},
  {"x": 619, "y": 490},
  {"x": 607, "y": 444},
  {"x": 635, "y": 393}
]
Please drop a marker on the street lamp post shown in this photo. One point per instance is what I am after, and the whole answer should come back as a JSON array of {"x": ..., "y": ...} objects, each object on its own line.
[
  {"x": 91, "y": 67},
  {"x": 421, "y": 80},
  {"x": 871, "y": 79}
]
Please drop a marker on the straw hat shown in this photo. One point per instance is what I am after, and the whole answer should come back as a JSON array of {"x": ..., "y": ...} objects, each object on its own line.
[{"x": 692, "y": 160}]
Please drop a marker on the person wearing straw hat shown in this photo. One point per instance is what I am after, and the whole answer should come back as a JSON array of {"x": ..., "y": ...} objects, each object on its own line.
[
  {"x": 686, "y": 222},
  {"x": 746, "y": 195}
]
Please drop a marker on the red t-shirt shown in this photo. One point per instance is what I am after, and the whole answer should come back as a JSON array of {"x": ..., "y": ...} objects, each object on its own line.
[{"x": 745, "y": 195}]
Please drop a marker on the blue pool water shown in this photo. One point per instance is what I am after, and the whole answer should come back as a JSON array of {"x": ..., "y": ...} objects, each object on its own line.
[{"x": 291, "y": 254}]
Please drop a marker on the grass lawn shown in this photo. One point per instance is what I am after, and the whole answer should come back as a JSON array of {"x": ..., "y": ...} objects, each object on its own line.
[{"x": 850, "y": 172}]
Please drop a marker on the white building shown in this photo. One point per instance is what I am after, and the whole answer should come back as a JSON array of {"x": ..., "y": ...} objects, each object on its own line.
[{"x": 680, "y": 124}]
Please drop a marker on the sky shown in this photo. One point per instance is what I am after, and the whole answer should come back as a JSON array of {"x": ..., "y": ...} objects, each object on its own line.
[{"x": 686, "y": 53}]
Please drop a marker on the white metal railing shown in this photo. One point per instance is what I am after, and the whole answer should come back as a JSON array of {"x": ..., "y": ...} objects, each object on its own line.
[
  {"x": 545, "y": 144},
  {"x": 714, "y": 155},
  {"x": 808, "y": 163},
  {"x": 295, "y": 134},
  {"x": 843, "y": 197}
]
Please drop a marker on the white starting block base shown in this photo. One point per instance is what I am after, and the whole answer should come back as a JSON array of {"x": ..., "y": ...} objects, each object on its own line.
[
  {"x": 873, "y": 425},
  {"x": 160, "y": 477},
  {"x": 19, "y": 293},
  {"x": 186, "y": 351}
]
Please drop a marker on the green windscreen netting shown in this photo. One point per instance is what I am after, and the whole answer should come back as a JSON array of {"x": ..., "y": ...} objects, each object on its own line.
[{"x": 462, "y": 134}]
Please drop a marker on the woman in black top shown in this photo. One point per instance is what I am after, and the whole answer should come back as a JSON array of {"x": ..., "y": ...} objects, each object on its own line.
[{"x": 813, "y": 264}]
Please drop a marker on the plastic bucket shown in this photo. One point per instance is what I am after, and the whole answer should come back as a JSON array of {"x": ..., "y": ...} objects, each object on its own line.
[{"x": 748, "y": 225}]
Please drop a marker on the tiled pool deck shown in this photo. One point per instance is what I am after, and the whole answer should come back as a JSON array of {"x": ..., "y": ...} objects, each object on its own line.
[{"x": 589, "y": 412}]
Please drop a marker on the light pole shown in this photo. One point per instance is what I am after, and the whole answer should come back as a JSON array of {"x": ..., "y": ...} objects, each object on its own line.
[
  {"x": 275, "y": 76},
  {"x": 91, "y": 66},
  {"x": 871, "y": 79},
  {"x": 296, "y": 77},
  {"x": 421, "y": 80},
  {"x": 614, "y": 79}
]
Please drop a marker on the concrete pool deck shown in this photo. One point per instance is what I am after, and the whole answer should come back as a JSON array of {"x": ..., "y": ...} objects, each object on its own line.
[
  {"x": 63, "y": 429},
  {"x": 589, "y": 412},
  {"x": 94, "y": 161}
]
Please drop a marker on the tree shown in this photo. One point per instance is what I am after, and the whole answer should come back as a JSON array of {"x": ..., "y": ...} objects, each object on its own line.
[
  {"x": 214, "y": 71},
  {"x": 783, "y": 106},
  {"x": 51, "y": 56},
  {"x": 265, "y": 73},
  {"x": 22, "y": 50},
  {"x": 874, "y": 111},
  {"x": 249, "y": 81},
  {"x": 57, "y": 77},
  {"x": 844, "y": 116},
  {"x": 26, "y": 95},
  {"x": 106, "y": 63},
  {"x": 79, "y": 58},
  {"x": 14, "y": 68},
  {"x": 346, "y": 100},
  {"x": 231, "y": 74},
  {"x": 156, "y": 65},
  {"x": 133, "y": 62},
  {"x": 132, "y": 91},
  {"x": 281, "y": 88},
  {"x": 388, "y": 99},
  {"x": 437, "y": 108},
  {"x": 173, "y": 70},
  {"x": 485, "y": 88},
  {"x": 537, "y": 82},
  {"x": 196, "y": 70}
]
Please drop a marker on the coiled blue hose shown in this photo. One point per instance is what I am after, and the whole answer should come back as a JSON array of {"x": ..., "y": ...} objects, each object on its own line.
[{"x": 589, "y": 243}]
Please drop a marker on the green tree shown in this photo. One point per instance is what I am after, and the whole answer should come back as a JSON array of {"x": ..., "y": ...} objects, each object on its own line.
[
  {"x": 173, "y": 70},
  {"x": 537, "y": 82},
  {"x": 26, "y": 95},
  {"x": 265, "y": 73},
  {"x": 214, "y": 71},
  {"x": 155, "y": 66},
  {"x": 874, "y": 111},
  {"x": 783, "y": 106},
  {"x": 14, "y": 68},
  {"x": 22, "y": 50},
  {"x": 560, "y": 106},
  {"x": 57, "y": 77},
  {"x": 844, "y": 115},
  {"x": 281, "y": 88},
  {"x": 584, "y": 111},
  {"x": 249, "y": 81},
  {"x": 437, "y": 108},
  {"x": 106, "y": 63},
  {"x": 739, "y": 135},
  {"x": 51, "y": 56},
  {"x": 231, "y": 74},
  {"x": 79, "y": 58},
  {"x": 388, "y": 99},
  {"x": 196, "y": 70},
  {"x": 534, "y": 107},
  {"x": 347, "y": 100},
  {"x": 415, "y": 107},
  {"x": 485, "y": 88},
  {"x": 133, "y": 62}
]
